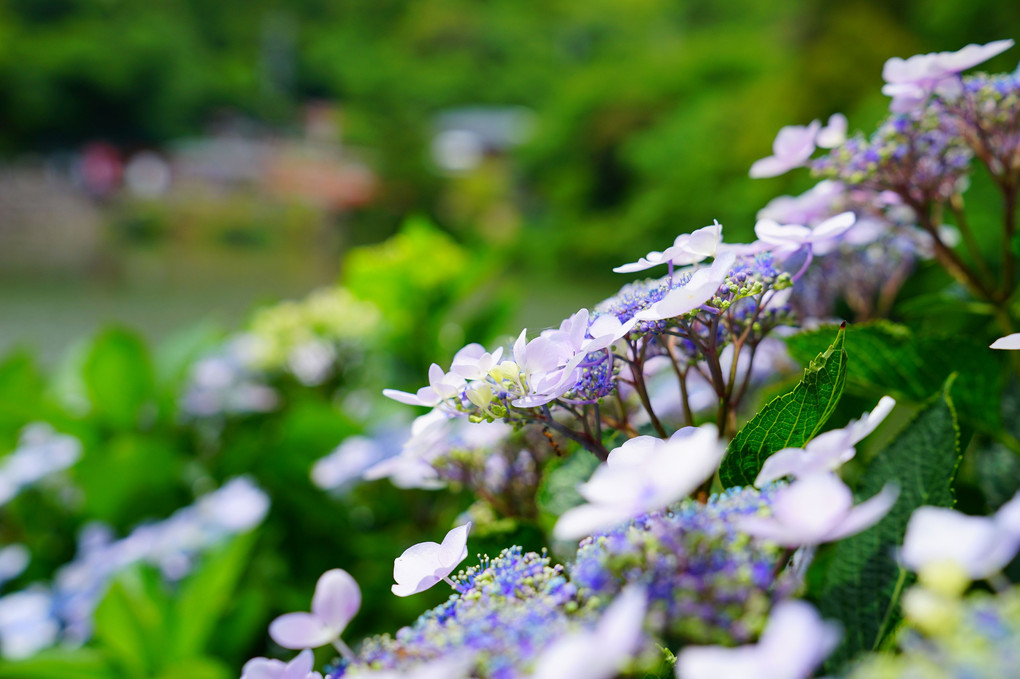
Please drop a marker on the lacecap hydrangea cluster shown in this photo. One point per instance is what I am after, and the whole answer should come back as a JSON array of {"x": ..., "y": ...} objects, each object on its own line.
[
  {"x": 507, "y": 611},
  {"x": 707, "y": 582},
  {"x": 981, "y": 641},
  {"x": 922, "y": 158}
]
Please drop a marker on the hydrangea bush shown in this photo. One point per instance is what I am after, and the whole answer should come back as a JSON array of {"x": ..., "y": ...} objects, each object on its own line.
[
  {"x": 697, "y": 546},
  {"x": 701, "y": 512}
]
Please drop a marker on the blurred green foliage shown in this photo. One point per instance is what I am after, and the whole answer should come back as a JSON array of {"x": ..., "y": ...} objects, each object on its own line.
[{"x": 648, "y": 112}]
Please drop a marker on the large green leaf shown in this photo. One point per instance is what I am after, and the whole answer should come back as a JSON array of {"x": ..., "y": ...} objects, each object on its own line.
[
  {"x": 860, "y": 582},
  {"x": 205, "y": 595},
  {"x": 118, "y": 377},
  {"x": 892, "y": 359},
  {"x": 82, "y": 663},
  {"x": 131, "y": 622},
  {"x": 790, "y": 420}
]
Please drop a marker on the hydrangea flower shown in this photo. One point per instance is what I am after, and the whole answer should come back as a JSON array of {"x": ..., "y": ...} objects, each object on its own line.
[
  {"x": 426, "y": 563},
  {"x": 41, "y": 452},
  {"x": 811, "y": 207},
  {"x": 977, "y": 637},
  {"x": 923, "y": 159},
  {"x": 826, "y": 452},
  {"x": 507, "y": 611},
  {"x": 788, "y": 238},
  {"x": 697, "y": 290},
  {"x": 455, "y": 667},
  {"x": 818, "y": 508},
  {"x": 642, "y": 475},
  {"x": 336, "y": 600},
  {"x": 794, "y": 643},
  {"x": 28, "y": 623},
  {"x": 792, "y": 148},
  {"x": 706, "y": 581},
  {"x": 687, "y": 248},
  {"x": 911, "y": 81}
]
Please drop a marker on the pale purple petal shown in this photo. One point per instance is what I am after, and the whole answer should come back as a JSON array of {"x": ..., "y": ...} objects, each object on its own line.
[
  {"x": 796, "y": 142},
  {"x": 337, "y": 598},
  {"x": 813, "y": 506},
  {"x": 971, "y": 55},
  {"x": 789, "y": 235},
  {"x": 833, "y": 227},
  {"x": 771, "y": 530},
  {"x": 301, "y": 630},
  {"x": 834, "y": 133},
  {"x": 796, "y": 640},
  {"x": 942, "y": 535},
  {"x": 769, "y": 166},
  {"x": 300, "y": 666},
  {"x": 866, "y": 514},
  {"x": 262, "y": 668},
  {"x": 1008, "y": 516},
  {"x": 620, "y": 627}
]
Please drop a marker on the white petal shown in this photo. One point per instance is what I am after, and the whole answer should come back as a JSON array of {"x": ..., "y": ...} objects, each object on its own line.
[
  {"x": 620, "y": 627},
  {"x": 869, "y": 422},
  {"x": 1007, "y": 342},
  {"x": 337, "y": 598},
  {"x": 785, "y": 462},
  {"x": 301, "y": 630},
  {"x": 574, "y": 656},
  {"x": 453, "y": 550},
  {"x": 411, "y": 588},
  {"x": 585, "y": 520},
  {"x": 774, "y": 233},
  {"x": 417, "y": 563},
  {"x": 769, "y": 166},
  {"x": 718, "y": 662},
  {"x": 403, "y": 397}
]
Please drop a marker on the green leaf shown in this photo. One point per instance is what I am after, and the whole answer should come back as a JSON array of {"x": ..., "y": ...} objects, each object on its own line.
[
  {"x": 80, "y": 664},
  {"x": 118, "y": 377},
  {"x": 198, "y": 668},
  {"x": 862, "y": 583},
  {"x": 205, "y": 595},
  {"x": 558, "y": 491},
  {"x": 130, "y": 622},
  {"x": 790, "y": 420},
  {"x": 892, "y": 359}
]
